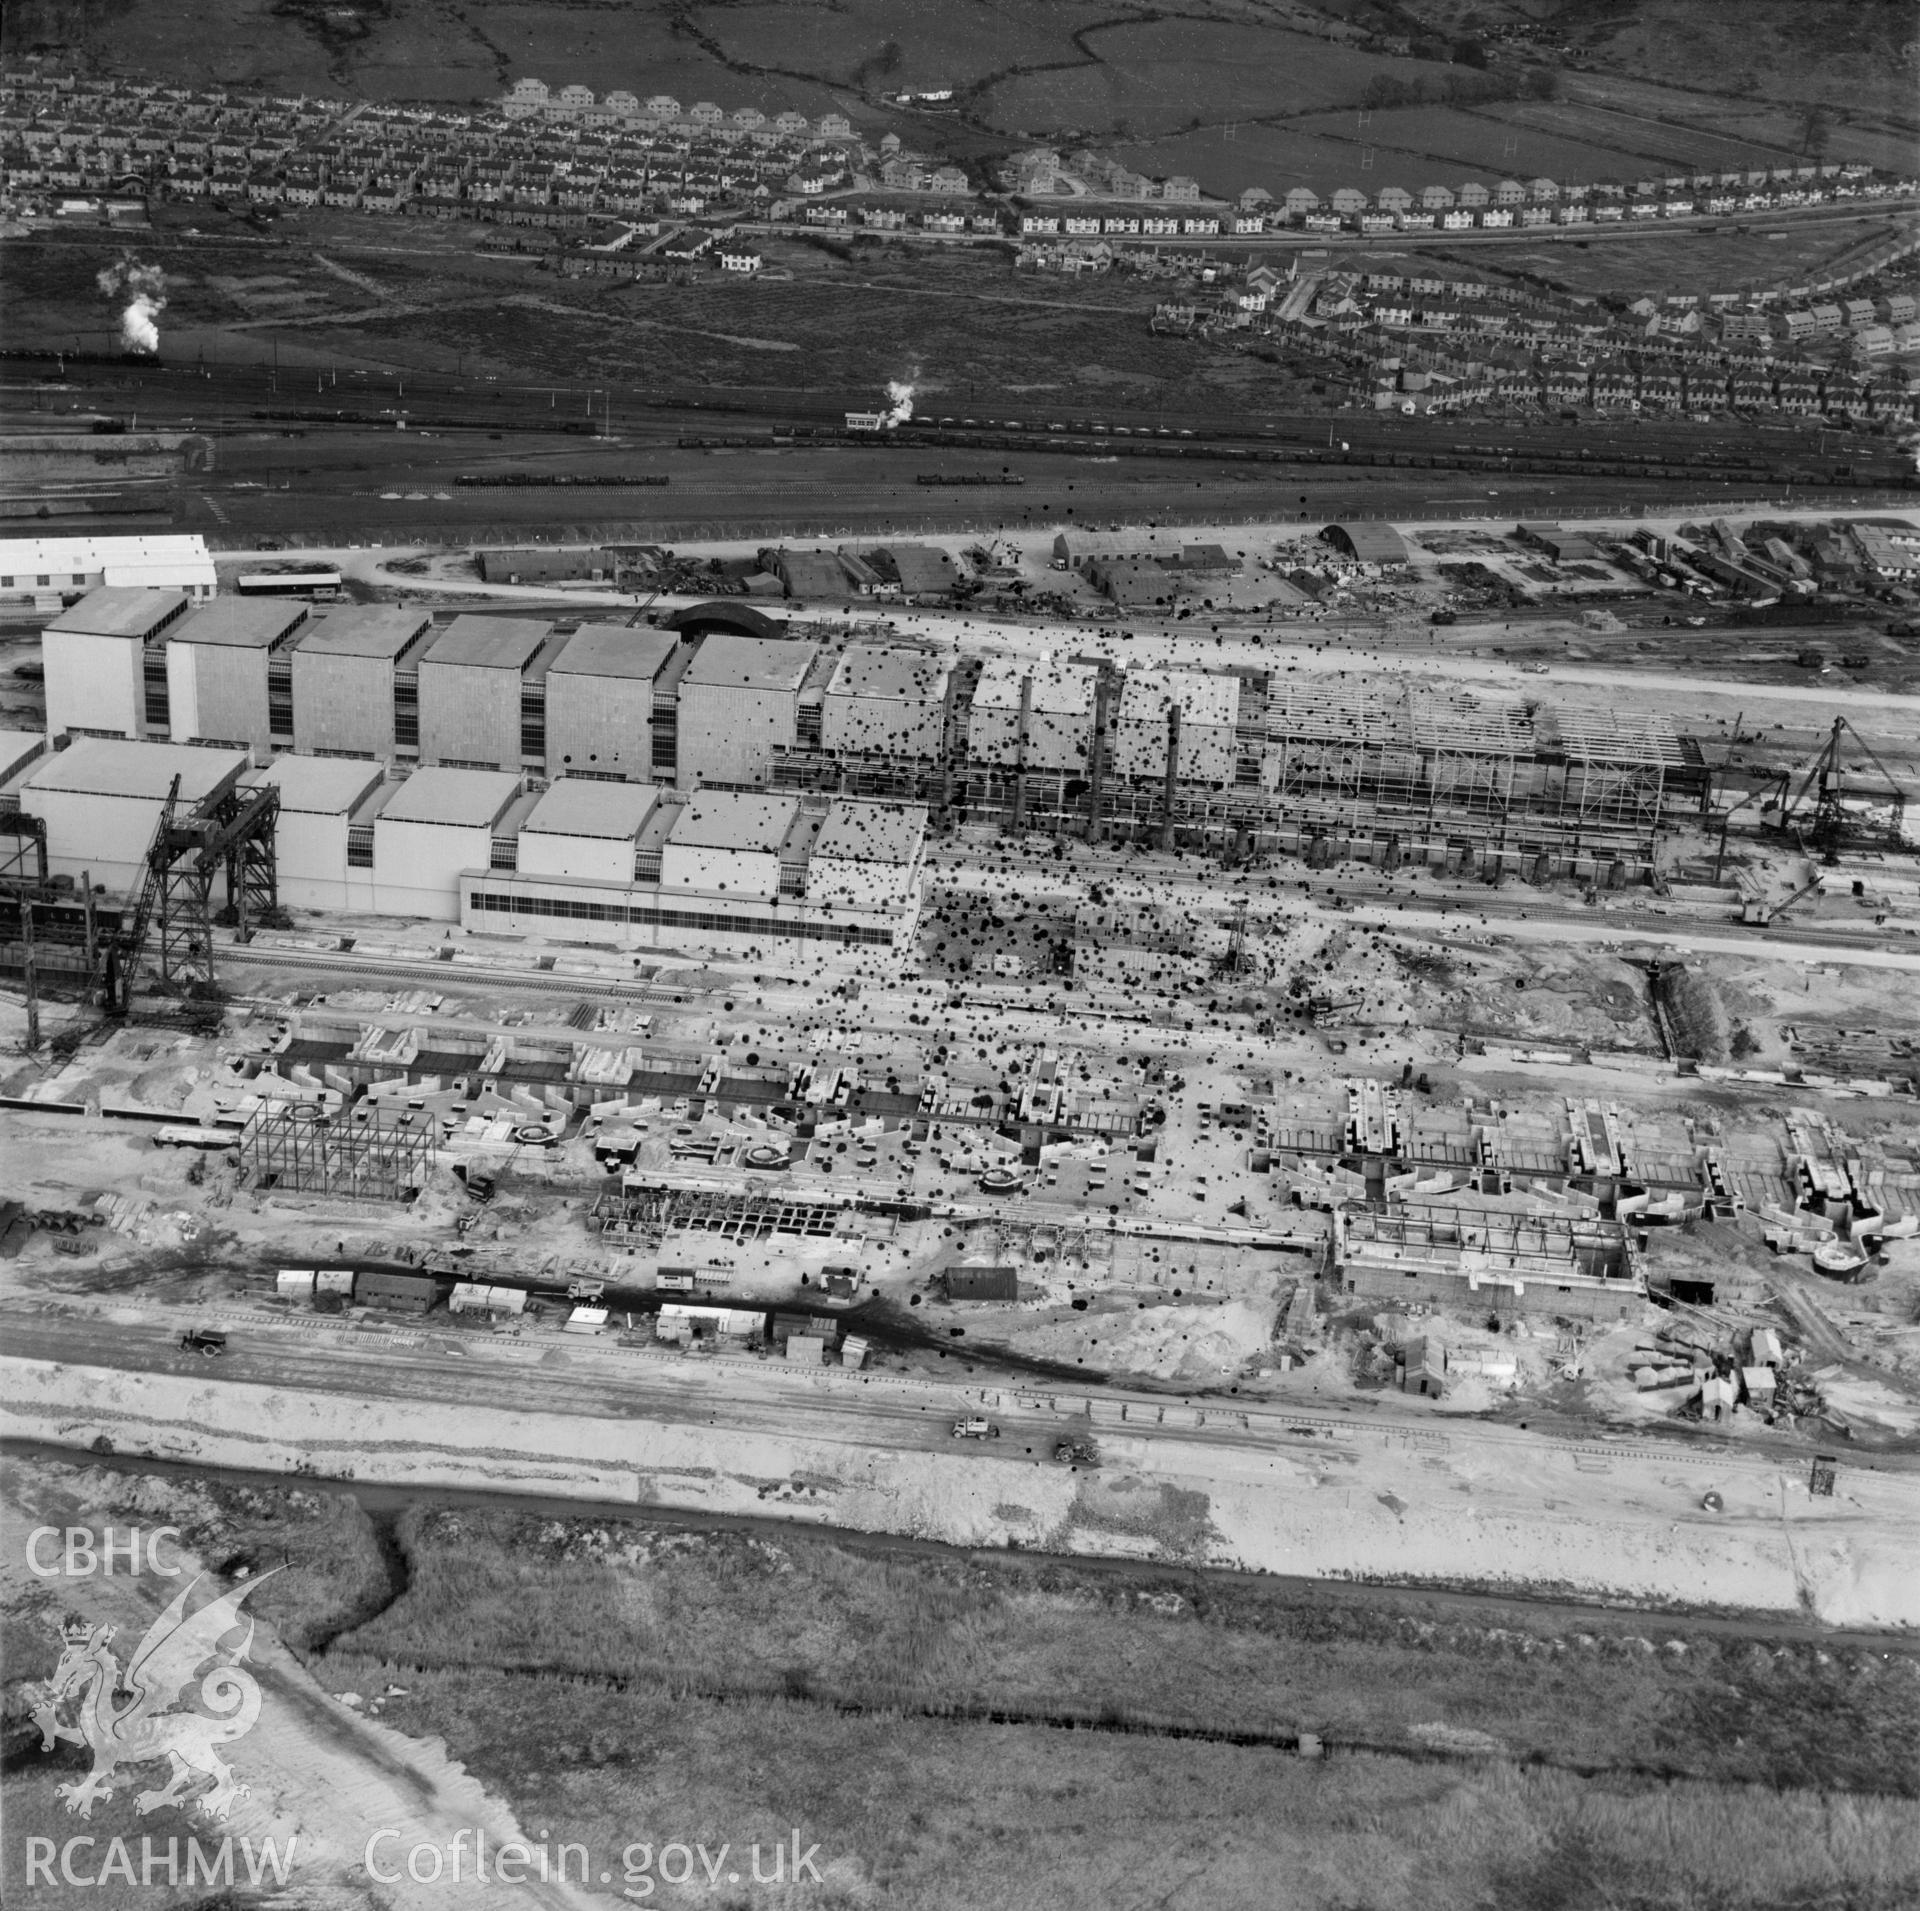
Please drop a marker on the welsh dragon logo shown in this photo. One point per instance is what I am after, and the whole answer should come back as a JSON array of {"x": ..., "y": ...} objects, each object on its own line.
[{"x": 127, "y": 1717}]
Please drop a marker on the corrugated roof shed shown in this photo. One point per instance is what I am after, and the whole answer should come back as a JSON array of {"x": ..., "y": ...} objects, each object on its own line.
[
  {"x": 584, "y": 806},
  {"x": 733, "y": 819},
  {"x": 731, "y": 662},
  {"x": 117, "y": 766},
  {"x": 365, "y": 630},
  {"x": 471, "y": 799},
  {"x": 614, "y": 650},
  {"x": 490, "y": 643},
  {"x": 121, "y": 610},
  {"x": 1372, "y": 543},
  {"x": 860, "y": 831},
  {"x": 814, "y": 574},
  {"x": 918, "y": 568},
  {"x": 244, "y": 623}
]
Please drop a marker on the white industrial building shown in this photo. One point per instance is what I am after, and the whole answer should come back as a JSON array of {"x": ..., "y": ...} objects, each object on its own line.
[
  {"x": 600, "y": 692},
  {"x": 356, "y": 683},
  {"x": 230, "y": 673},
  {"x": 41, "y": 570},
  {"x": 585, "y": 829},
  {"x": 483, "y": 693},
  {"x": 437, "y": 825},
  {"x": 1035, "y": 711},
  {"x": 886, "y": 700},
  {"x": 326, "y": 802},
  {"x": 713, "y": 869},
  {"x": 739, "y": 702},
  {"x": 106, "y": 669},
  {"x": 1209, "y": 706},
  {"x": 101, "y": 798}
]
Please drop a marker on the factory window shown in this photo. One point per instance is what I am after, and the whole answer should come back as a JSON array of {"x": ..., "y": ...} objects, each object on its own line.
[
  {"x": 43, "y": 580},
  {"x": 359, "y": 845},
  {"x": 6, "y": 583},
  {"x": 505, "y": 853}
]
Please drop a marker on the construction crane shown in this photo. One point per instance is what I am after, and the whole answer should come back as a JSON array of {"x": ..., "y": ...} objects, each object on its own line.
[
  {"x": 1835, "y": 806},
  {"x": 1758, "y": 909}
]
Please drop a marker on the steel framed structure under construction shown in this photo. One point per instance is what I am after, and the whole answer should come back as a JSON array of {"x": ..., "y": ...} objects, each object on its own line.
[
  {"x": 644, "y": 1214},
  {"x": 300, "y": 1150},
  {"x": 1413, "y": 768}
]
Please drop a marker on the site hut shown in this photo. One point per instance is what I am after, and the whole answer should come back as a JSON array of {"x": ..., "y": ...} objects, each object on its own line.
[
  {"x": 739, "y": 703},
  {"x": 438, "y": 824},
  {"x": 230, "y": 673},
  {"x": 1563, "y": 547},
  {"x": 600, "y": 700},
  {"x": 483, "y": 693},
  {"x": 356, "y": 682},
  {"x": 545, "y": 564},
  {"x": 105, "y": 662},
  {"x": 1134, "y": 579},
  {"x": 1370, "y": 543},
  {"x": 885, "y": 700},
  {"x": 323, "y": 838},
  {"x": 1209, "y": 707},
  {"x": 815, "y": 574},
  {"x": 1037, "y": 712},
  {"x": 100, "y": 801},
  {"x": 45, "y": 571}
]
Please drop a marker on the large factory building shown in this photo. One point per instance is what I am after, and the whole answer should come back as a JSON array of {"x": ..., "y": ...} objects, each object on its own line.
[
  {"x": 483, "y": 693},
  {"x": 1038, "y": 713},
  {"x": 43, "y": 570},
  {"x": 886, "y": 700},
  {"x": 739, "y": 703},
  {"x": 105, "y": 662},
  {"x": 1209, "y": 707},
  {"x": 600, "y": 695},
  {"x": 356, "y": 682},
  {"x": 230, "y": 673}
]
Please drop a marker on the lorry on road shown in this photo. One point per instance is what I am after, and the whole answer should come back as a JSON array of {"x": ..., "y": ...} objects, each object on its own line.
[{"x": 974, "y": 1427}]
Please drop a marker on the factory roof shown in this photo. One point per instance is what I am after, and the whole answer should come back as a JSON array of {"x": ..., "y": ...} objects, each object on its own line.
[
  {"x": 320, "y": 785},
  {"x": 121, "y": 610},
  {"x": 858, "y": 831},
  {"x": 246, "y": 623},
  {"x": 118, "y": 766},
  {"x": 1204, "y": 696},
  {"x": 921, "y": 568},
  {"x": 70, "y": 554},
  {"x": 584, "y": 806},
  {"x": 1061, "y": 689},
  {"x": 614, "y": 650},
  {"x": 470, "y": 799},
  {"x": 490, "y": 643},
  {"x": 366, "y": 630},
  {"x": 889, "y": 671},
  {"x": 728, "y": 661},
  {"x": 729, "y": 819}
]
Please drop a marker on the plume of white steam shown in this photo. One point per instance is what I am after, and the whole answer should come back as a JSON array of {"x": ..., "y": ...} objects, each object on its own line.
[
  {"x": 899, "y": 403},
  {"x": 144, "y": 288}
]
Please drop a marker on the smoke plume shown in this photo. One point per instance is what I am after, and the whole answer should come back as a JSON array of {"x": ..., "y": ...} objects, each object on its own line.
[
  {"x": 899, "y": 403},
  {"x": 144, "y": 290}
]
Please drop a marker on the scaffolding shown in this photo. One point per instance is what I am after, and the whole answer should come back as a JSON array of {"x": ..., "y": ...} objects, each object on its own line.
[
  {"x": 643, "y": 1214},
  {"x": 368, "y": 1158}
]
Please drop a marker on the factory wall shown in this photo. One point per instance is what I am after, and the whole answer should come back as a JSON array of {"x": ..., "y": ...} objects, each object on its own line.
[
  {"x": 1207, "y": 752},
  {"x": 417, "y": 866},
  {"x": 722, "y": 872},
  {"x": 841, "y": 882},
  {"x": 217, "y": 693},
  {"x": 311, "y": 850},
  {"x": 590, "y": 858},
  {"x": 600, "y": 725},
  {"x": 469, "y": 714},
  {"x": 343, "y": 705},
  {"x": 643, "y": 917},
  {"x": 89, "y": 833},
  {"x": 889, "y": 726},
  {"x": 729, "y": 735},
  {"x": 1056, "y": 740},
  {"x": 93, "y": 683}
]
